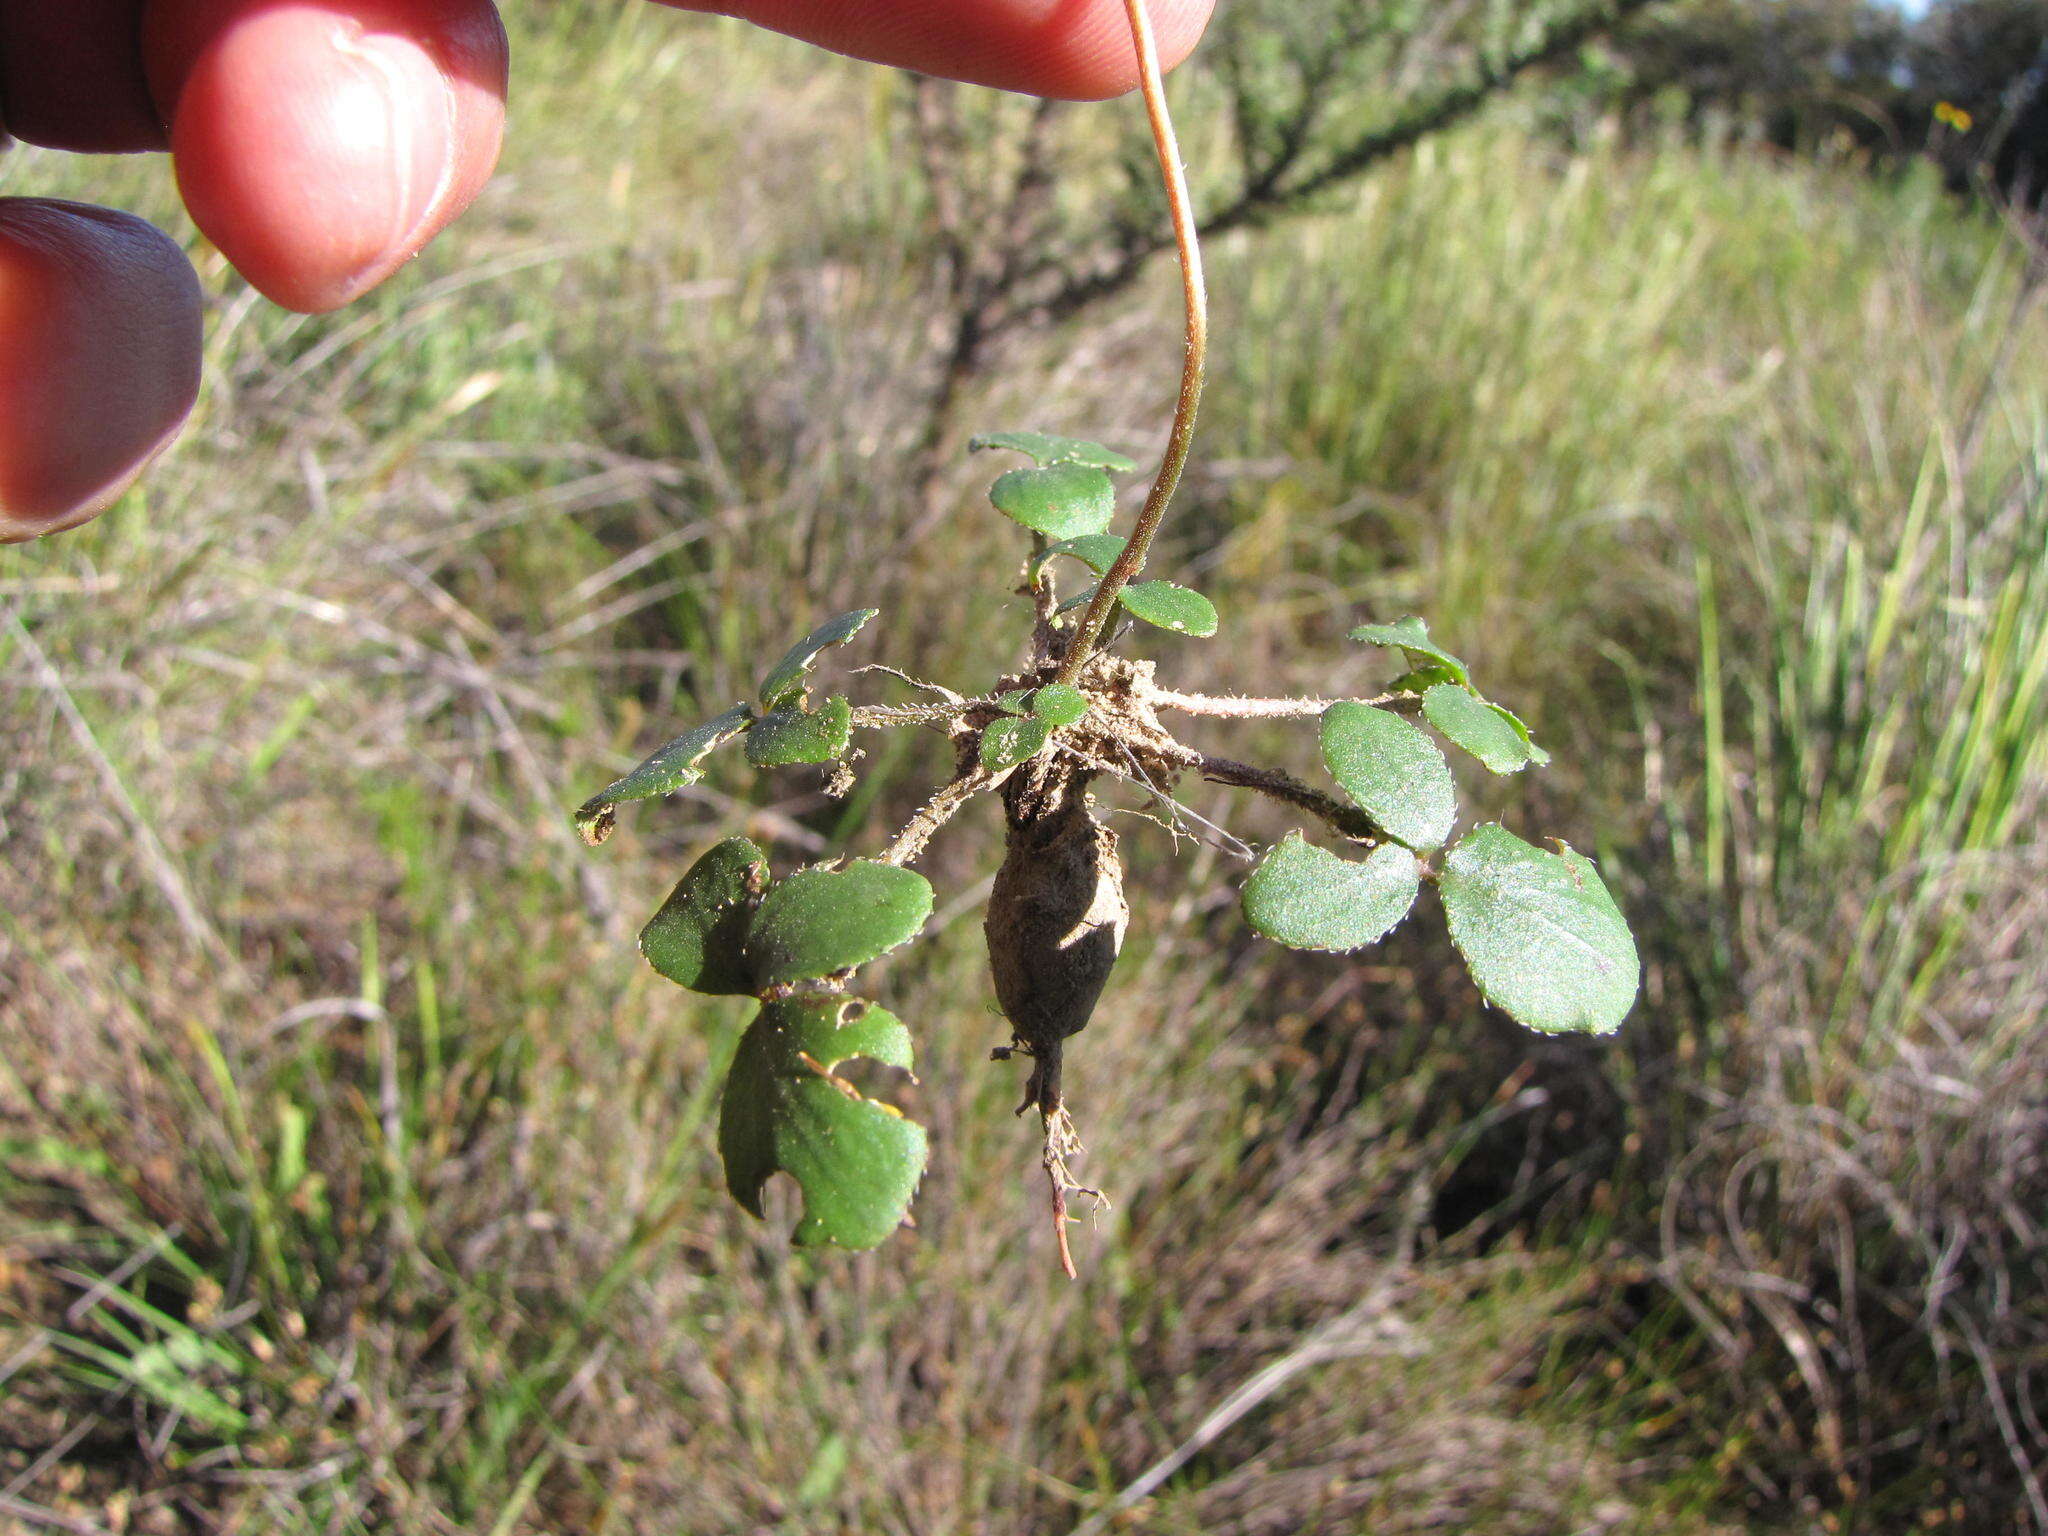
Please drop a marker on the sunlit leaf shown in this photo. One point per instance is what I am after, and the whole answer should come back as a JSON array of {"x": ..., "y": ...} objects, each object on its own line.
[
  {"x": 788, "y": 675},
  {"x": 1394, "y": 772},
  {"x": 819, "y": 921},
  {"x": 1059, "y": 704},
  {"x": 1543, "y": 937},
  {"x": 1537, "y": 755},
  {"x": 857, "y": 1161},
  {"x": 795, "y": 735},
  {"x": 1047, "y": 449},
  {"x": 1097, "y": 551},
  {"x": 1489, "y": 734},
  {"x": 1411, "y": 635},
  {"x": 1006, "y": 743},
  {"x": 696, "y": 939},
  {"x": 1064, "y": 501},
  {"x": 1014, "y": 701},
  {"x": 668, "y": 770},
  {"x": 1306, "y": 898},
  {"x": 1180, "y": 609}
]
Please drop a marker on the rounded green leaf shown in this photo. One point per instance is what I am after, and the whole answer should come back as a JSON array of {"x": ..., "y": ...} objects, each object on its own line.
[
  {"x": 1059, "y": 704},
  {"x": 1180, "y": 609},
  {"x": 1394, "y": 772},
  {"x": 1048, "y": 449},
  {"x": 696, "y": 939},
  {"x": 1097, "y": 551},
  {"x": 1008, "y": 742},
  {"x": 1489, "y": 734},
  {"x": 1064, "y": 501},
  {"x": 1539, "y": 930},
  {"x": 794, "y": 735},
  {"x": 1411, "y": 635},
  {"x": 1013, "y": 701},
  {"x": 857, "y": 1161},
  {"x": 672, "y": 768},
  {"x": 819, "y": 921},
  {"x": 787, "y": 675},
  {"x": 1306, "y": 898}
]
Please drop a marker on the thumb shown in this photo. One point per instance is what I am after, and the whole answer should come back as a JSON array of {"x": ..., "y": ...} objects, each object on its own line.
[{"x": 321, "y": 143}]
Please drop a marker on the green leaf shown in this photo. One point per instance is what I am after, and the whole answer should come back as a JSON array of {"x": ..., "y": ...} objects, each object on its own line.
[
  {"x": 1306, "y": 898},
  {"x": 1422, "y": 679},
  {"x": 1047, "y": 449},
  {"x": 1394, "y": 772},
  {"x": 1008, "y": 742},
  {"x": 1063, "y": 502},
  {"x": 819, "y": 921},
  {"x": 1097, "y": 551},
  {"x": 857, "y": 1161},
  {"x": 1543, "y": 937},
  {"x": 668, "y": 770},
  {"x": 1488, "y": 733},
  {"x": 796, "y": 735},
  {"x": 788, "y": 675},
  {"x": 1411, "y": 635},
  {"x": 1180, "y": 609},
  {"x": 1537, "y": 755},
  {"x": 1058, "y": 704},
  {"x": 1014, "y": 701},
  {"x": 696, "y": 939}
]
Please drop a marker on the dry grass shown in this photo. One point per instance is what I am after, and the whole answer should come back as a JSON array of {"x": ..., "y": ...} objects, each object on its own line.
[{"x": 357, "y": 1178}]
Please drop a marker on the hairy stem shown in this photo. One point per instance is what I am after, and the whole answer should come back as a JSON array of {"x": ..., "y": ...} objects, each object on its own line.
[
  {"x": 909, "y": 844},
  {"x": 1277, "y": 785},
  {"x": 1233, "y": 707},
  {"x": 1195, "y": 293}
]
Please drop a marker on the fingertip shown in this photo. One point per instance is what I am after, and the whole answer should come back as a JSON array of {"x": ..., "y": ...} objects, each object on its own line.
[
  {"x": 100, "y": 331},
  {"x": 322, "y": 143},
  {"x": 1079, "y": 50}
]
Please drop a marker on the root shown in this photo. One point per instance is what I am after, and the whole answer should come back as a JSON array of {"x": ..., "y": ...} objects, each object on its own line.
[{"x": 1062, "y": 1141}]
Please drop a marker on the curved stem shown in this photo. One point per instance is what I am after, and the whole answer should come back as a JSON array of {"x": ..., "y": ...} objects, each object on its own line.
[{"x": 1132, "y": 560}]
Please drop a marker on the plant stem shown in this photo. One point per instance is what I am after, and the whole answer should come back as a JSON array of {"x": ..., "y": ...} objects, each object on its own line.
[
  {"x": 944, "y": 805},
  {"x": 1275, "y": 784},
  {"x": 1232, "y": 707},
  {"x": 1174, "y": 175}
]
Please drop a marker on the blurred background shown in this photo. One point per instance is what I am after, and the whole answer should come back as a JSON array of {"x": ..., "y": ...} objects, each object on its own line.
[{"x": 1686, "y": 365}]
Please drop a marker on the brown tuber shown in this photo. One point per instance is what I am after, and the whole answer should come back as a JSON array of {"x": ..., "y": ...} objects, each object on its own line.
[{"x": 1056, "y": 919}]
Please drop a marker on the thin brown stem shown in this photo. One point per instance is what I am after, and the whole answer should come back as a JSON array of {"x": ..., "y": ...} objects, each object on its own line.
[
  {"x": 1278, "y": 785},
  {"x": 1195, "y": 295},
  {"x": 878, "y": 717}
]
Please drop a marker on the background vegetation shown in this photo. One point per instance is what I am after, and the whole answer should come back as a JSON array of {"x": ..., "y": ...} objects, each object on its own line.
[{"x": 354, "y": 1176}]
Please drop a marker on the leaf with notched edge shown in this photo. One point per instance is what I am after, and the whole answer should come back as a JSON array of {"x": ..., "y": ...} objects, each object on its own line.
[
  {"x": 856, "y": 1160},
  {"x": 1307, "y": 898}
]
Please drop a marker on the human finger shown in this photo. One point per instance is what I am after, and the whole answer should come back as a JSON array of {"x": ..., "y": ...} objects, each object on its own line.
[
  {"x": 99, "y": 358},
  {"x": 321, "y": 143},
  {"x": 1077, "y": 49}
]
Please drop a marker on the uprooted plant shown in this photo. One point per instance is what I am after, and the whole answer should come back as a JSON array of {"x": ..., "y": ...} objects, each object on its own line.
[{"x": 1538, "y": 929}]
